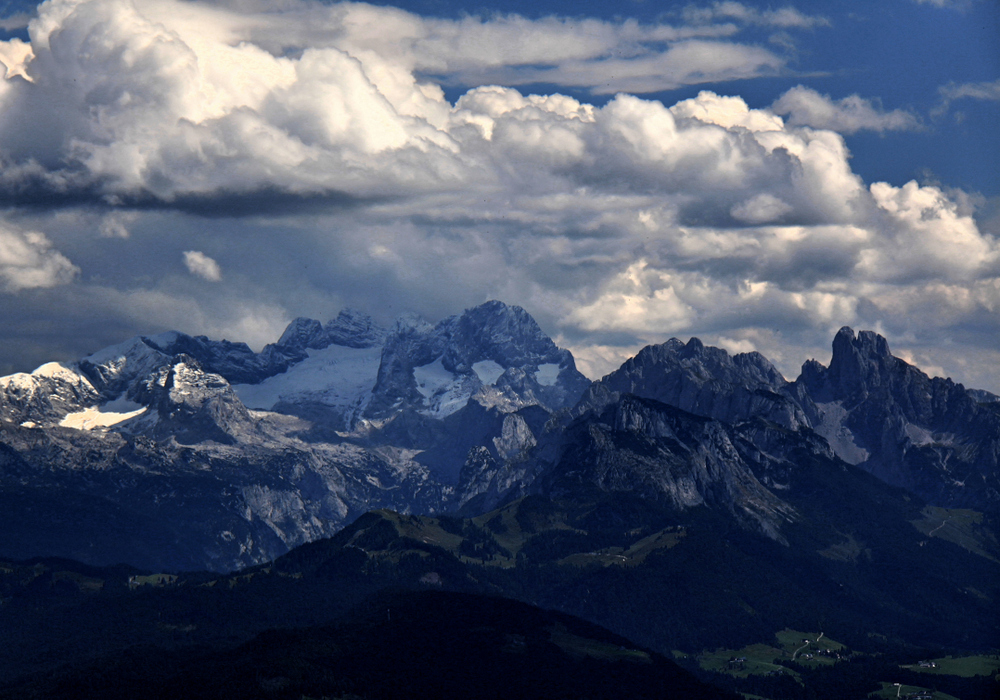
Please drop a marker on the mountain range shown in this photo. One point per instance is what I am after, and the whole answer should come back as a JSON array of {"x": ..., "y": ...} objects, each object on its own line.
[
  {"x": 179, "y": 452},
  {"x": 198, "y": 494}
]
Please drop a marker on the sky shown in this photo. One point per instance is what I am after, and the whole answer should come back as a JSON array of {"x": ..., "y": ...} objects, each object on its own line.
[{"x": 757, "y": 175}]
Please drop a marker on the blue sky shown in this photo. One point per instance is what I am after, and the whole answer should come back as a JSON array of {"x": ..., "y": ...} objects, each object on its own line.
[{"x": 754, "y": 174}]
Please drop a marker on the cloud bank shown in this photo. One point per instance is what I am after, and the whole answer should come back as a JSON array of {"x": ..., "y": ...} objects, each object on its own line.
[{"x": 312, "y": 151}]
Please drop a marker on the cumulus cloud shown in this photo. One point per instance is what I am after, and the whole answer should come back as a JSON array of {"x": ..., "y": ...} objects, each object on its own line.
[
  {"x": 315, "y": 143},
  {"x": 168, "y": 100},
  {"x": 806, "y": 107},
  {"x": 28, "y": 261},
  {"x": 200, "y": 265}
]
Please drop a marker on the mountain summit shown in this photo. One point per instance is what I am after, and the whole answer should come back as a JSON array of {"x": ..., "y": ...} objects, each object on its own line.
[
  {"x": 928, "y": 435},
  {"x": 241, "y": 455}
]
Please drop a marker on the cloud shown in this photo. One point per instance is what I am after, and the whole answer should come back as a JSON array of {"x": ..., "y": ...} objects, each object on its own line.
[
  {"x": 115, "y": 224},
  {"x": 201, "y": 265},
  {"x": 989, "y": 91},
  {"x": 688, "y": 62},
  {"x": 162, "y": 100},
  {"x": 314, "y": 145},
  {"x": 953, "y": 4},
  {"x": 785, "y": 17},
  {"x": 28, "y": 261},
  {"x": 760, "y": 209},
  {"x": 979, "y": 91},
  {"x": 14, "y": 55},
  {"x": 806, "y": 107}
]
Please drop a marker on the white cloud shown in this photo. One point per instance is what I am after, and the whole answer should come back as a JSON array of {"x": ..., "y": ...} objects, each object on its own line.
[
  {"x": 989, "y": 91},
  {"x": 925, "y": 236},
  {"x": 116, "y": 224},
  {"x": 28, "y": 261},
  {"x": 978, "y": 91},
  {"x": 314, "y": 144},
  {"x": 806, "y": 107},
  {"x": 162, "y": 99},
  {"x": 201, "y": 265},
  {"x": 687, "y": 62},
  {"x": 14, "y": 55},
  {"x": 956, "y": 4},
  {"x": 786, "y": 17}
]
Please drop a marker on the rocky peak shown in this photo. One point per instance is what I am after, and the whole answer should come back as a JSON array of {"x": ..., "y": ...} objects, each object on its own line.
[
  {"x": 193, "y": 405},
  {"x": 184, "y": 381},
  {"x": 927, "y": 435},
  {"x": 703, "y": 380},
  {"x": 860, "y": 364},
  {"x": 303, "y": 333},
  {"x": 489, "y": 345},
  {"x": 507, "y": 335},
  {"x": 354, "y": 329},
  {"x": 46, "y": 395}
]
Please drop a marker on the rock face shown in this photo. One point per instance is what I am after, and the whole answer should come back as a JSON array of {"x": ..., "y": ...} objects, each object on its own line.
[
  {"x": 928, "y": 435},
  {"x": 46, "y": 395},
  {"x": 351, "y": 329},
  {"x": 702, "y": 380},
  {"x": 193, "y": 406},
  {"x": 661, "y": 453}
]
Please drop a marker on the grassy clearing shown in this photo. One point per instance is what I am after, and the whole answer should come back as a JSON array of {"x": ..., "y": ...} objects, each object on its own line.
[
  {"x": 964, "y": 666},
  {"x": 632, "y": 556},
  {"x": 891, "y": 690},
  {"x": 87, "y": 584},
  {"x": 758, "y": 659},
  {"x": 152, "y": 580},
  {"x": 509, "y": 534},
  {"x": 849, "y": 550},
  {"x": 959, "y": 526},
  {"x": 794, "y": 641},
  {"x": 581, "y": 646},
  {"x": 811, "y": 649},
  {"x": 426, "y": 530}
]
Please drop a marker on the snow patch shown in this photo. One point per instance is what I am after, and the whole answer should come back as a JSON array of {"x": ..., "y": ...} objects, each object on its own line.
[
  {"x": 336, "y": 376},
  {"x": 21, "y": 382},
  {"x": 488, "y": 371},
  {"x": 547, "y": 374},
  {"x": 117, "y": 355},
  {"x": 433, "y": 378},
  {"x": 56, "y": 370},
  {"x": 105, "y": 416},
  {"x": 444, "y": 391},
  {"x": 165, "y": 340}
]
